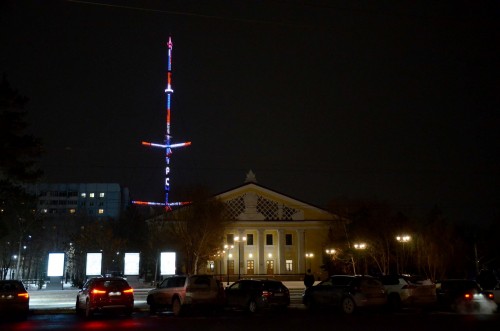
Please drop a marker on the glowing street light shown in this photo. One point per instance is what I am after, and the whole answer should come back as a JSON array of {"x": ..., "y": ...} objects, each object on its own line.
[{"x": 360, "y": 246}]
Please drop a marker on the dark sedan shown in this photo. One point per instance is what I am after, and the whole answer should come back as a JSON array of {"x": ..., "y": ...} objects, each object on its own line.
[
  {"x": 464, "y": 296},
  {"x": 255, "y": 294},
  {"x": 346, "y": 292},
  {"x": 14, "y": 299}
]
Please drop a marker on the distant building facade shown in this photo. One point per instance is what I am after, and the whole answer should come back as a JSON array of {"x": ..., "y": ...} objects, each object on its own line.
[
  {"x": 96, "y": 200},
  {"x": 273, "y": 234}
]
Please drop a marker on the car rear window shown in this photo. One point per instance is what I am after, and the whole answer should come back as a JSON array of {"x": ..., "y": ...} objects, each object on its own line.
[
  {"x": 112, "y": 283},
  {"x": 200, "y": 281},
  {"x": 10, "y": 286},
  {"x": 273, "y": 286}
]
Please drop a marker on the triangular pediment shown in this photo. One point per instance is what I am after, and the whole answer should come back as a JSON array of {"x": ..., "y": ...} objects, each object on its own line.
[{"x": 253, "y": 202}]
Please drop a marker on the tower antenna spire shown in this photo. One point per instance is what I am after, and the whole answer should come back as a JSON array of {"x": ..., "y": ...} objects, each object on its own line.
[{"x": 168, "y": 146}]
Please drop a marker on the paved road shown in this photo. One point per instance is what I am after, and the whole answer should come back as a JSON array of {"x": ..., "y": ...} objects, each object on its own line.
[
  {"x": 294, "y": 319},
  {"x": 42, "y": 301}
]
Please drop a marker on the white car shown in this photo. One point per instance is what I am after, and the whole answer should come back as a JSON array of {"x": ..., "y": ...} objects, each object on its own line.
[{"x": 409, "y": 291}]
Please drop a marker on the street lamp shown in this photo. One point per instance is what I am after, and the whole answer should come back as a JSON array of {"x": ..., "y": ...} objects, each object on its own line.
[
  {"x": 228, "y": 247},
  {"x": 239, "y": 241},
  {"x": 309, "y": 256},
  {"x": 359, "y": 246},
  {"x": 403, "y": 239}
]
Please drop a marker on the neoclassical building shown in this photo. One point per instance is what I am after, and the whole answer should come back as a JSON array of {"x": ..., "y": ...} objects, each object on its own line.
[{"x": 273, "y": 234}]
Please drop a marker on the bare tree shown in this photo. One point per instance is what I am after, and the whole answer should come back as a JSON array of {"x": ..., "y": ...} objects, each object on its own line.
[{"x": 197, "y": 229}]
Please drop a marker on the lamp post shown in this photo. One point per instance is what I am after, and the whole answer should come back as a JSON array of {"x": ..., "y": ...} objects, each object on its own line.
[
  {"x": 309, "y": 256},
  {"x": 359, "y": 246},
  {"x": 331, "y": 252},
  {"x": 239, "y": 241},
  {"x": 403, "y": 239},
  {"x": 228, "y": 247}
]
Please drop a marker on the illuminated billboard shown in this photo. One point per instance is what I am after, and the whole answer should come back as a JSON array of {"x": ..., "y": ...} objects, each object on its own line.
[
  {"x": 167, "y": 263},
  {"x": 56, "y": 265},
  {"x": 94, "y": 264},
  {"x": 131, "y": 264}
]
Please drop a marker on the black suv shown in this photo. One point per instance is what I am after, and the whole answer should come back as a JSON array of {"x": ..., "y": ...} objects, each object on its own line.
[{"x": 255, "y": 294}]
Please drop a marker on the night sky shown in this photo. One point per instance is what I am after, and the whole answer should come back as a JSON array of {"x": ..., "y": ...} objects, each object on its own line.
[{"x": 394, "y": 100}]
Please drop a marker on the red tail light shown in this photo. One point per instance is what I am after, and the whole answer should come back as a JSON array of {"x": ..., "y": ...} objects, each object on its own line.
[
  {"x": 468, "y": 296},
  {"x": 23, "y": 295},
  {"x": 96, "y": 291},
  {"x": 129, "y": 291},
  {"x": 491, "y": 296},
  {"x": 266, "y": 294}
]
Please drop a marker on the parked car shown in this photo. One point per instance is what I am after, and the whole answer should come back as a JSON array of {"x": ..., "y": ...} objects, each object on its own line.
[
  {"x": 406, "y": 290},
  {"x": 346, "y": 292},
  {"x": 181, "y": 293},
  {"x": 14, "y": 299},
  {"x": 101, "y": 294},
  {"x": 256, "y": 294},
  {"x": 463, "y": 295},
  {"x": 496, "y": 293}
]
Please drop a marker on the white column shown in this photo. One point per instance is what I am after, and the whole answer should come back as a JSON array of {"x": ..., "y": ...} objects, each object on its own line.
[
  {"x": 281, "y": 252},
  {"x": 301, "y": 251},
  {"x": 261, "y": 267}
]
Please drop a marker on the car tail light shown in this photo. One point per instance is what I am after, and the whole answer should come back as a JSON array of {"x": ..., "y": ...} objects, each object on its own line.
[
  {"x": 23, "y": 295},
  {"x": 266, "y": 294},
  {"x": 129, "y": 291},
  {"x": 96, "y": 291},
  {"x": 491, "y": 296},
  {"x": 468, "y": 296}
]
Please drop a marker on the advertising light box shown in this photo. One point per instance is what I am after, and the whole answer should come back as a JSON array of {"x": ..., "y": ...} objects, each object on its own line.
[
  {"x": 167, "y": 263},
  {"x": 94, "y": 264},
  {"x": 56, "y": 265},
  {"x": 132, "y": 264}
]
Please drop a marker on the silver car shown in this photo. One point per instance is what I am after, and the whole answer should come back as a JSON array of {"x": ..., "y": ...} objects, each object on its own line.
[
  {"x": 181, "y": 292},
  {"x": 346, "y": 292}
]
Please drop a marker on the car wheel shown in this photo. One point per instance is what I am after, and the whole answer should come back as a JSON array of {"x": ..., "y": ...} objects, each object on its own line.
[
  {"x": 129, "y": 311},
  {"x": 88, "y": 311},
  {"x": 78, "y": 310},
  {"x": 348, "y": 306},
  {"x": 177, "y": 307},
  {"x": 252, "y": 306},
  {"x": 310, "y": 304},
  {"x": 153, "y": 308}
]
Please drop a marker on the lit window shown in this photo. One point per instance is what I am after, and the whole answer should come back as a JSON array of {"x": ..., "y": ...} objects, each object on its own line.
[
  {"x": 289, "y": 265},
  {"x": 72, "y": 211},
  {"x": 91, "y": 195},
  {"x": 101, "y": 195},
  {"x": 44, "y": 211},
  {"x": 84, "y": 195},
  {"x": 101, "y": 211}
]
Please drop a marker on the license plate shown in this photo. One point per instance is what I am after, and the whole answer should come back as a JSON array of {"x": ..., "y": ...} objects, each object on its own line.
[
  {"x": 278, "y": 294},
  {"x": 115, "y": 294}
]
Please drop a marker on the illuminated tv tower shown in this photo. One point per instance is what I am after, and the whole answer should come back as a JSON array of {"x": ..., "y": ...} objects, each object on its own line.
[{"x": 168, "y": 146}]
